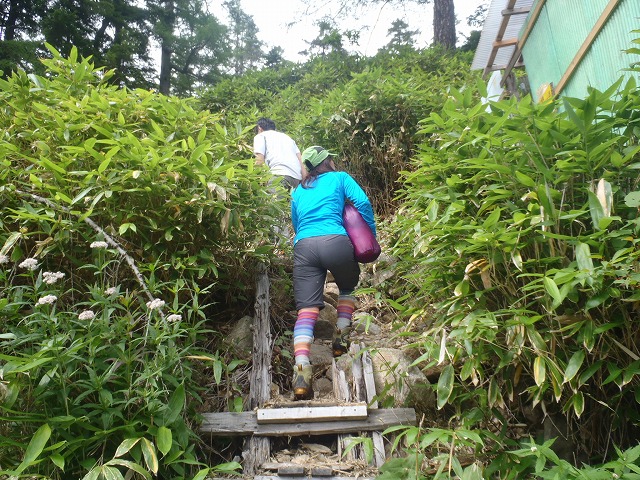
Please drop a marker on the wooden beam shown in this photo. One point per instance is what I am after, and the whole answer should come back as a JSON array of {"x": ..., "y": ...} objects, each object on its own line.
[
  {"x": 505, "y": 43},
  {"x": 276, "y": 477},
  {"x": 229, "y": 424},
  {"x": 499, "y": 35},
  {"x": 502, "y": 67},
  {"x": 379, "y": 455},
  {"x": 517, "y": 52},
  {"x": 257, "y": 450},
  {"x": 586, "y": 45},
  {"x": 313, "y": 414},
  {"x": 515, "y": 11}
]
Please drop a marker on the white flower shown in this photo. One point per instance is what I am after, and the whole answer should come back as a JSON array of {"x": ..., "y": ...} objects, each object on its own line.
[
  {"x": 174, "y": 318},
  {"x": 47, "y": 300},
  {"x": 4, "y": 259},
  {"x": 86, "y": 315},
  {"x": 155, "y": 303},
  {"x": 99, "y": 245},
  {"x": 110, "y": 291},
  {"x": 29, "y": 264},
  {"x": 52, "y": 277}
]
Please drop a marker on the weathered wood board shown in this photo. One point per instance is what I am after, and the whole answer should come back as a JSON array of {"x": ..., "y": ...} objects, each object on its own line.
[
  {"x": 311, "y": 414},
  {"x": 245, "y": 423}
]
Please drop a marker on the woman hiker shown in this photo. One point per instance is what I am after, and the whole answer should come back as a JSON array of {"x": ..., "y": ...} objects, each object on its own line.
[{"x": 321, "y": 244}]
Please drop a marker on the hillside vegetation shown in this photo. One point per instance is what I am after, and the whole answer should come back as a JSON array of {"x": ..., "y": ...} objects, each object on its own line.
[{"x": 133, "y": 224}]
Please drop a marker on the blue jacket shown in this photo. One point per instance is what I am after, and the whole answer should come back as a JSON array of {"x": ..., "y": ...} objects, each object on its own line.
[{"x": 317, "y": 210}]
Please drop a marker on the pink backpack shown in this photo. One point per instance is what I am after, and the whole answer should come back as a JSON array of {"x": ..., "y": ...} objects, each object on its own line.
[{"x": 365, "y": 246}]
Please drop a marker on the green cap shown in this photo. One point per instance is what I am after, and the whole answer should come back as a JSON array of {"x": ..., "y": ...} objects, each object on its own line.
[{"x": 314, "y": 156}]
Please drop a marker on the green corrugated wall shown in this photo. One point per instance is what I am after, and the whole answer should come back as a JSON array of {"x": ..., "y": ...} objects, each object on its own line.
[{"x": 558, "y": 34}]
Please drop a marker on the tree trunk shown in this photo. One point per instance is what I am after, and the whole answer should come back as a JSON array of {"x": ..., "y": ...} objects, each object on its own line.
[
  {"x": 444, "y": 23},
  {"x": 11, "y": 20},
  {"x": 168, "y": 19}
]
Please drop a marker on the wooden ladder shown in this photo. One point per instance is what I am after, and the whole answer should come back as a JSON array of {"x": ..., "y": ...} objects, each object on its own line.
[{"x": 354, "y": 412}]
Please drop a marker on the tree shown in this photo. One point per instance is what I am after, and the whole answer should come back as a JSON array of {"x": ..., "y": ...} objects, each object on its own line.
[
  {"x": 401, "y": 37},
  {"x": 246, "y": 49},
  {"x": 444, "y": 23},
  {"x": 19, "y": 21},
  {"x": 444, "y": 18},
  {"x": 114, "y": 32},
  {"x": 20, "y": 18},
  {"x": 329, "y": 39},
  {"x": 274, "y": 57},
  {"x": 193, "y": 45}
]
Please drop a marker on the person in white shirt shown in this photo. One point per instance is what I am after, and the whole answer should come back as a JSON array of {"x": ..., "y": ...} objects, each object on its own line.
[{"x": 279, "y": 151}]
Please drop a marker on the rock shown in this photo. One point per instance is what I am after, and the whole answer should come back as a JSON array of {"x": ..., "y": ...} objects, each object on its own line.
[
  {"x": 329, "y": 313},
  {"x": 404, "y": 384},
  {"x": 323, "y": 386},
  {"x": 324, "y": 329},
  {"x": 320, "y": 354},
  {"x": 380, "y": 276},
  {"x": 240, "y": 338},
  {"x": 331, "y": 294},
  {"x": 317, "y": 448}
]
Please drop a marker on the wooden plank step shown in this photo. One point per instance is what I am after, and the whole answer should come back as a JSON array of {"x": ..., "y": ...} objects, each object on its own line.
[
  {"x": 291, "y": 470},
  {"x": 311, "y": 414},
  {"x": 321, "y": 470},
  {"x": 245, "y": 423},
  {"x": 304, "y": 477}
]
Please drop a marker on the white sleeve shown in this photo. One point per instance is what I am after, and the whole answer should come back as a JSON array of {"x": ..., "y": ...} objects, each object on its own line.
[{"x": 259, "y": 144}]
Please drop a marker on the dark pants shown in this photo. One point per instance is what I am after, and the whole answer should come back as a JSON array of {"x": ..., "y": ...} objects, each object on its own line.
[{"x": 312, "y": 258}]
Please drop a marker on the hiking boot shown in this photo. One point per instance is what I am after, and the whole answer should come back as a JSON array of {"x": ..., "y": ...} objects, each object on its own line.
[
  {"x": 341, "y": 342},
  {"x": 302, "y": 382}
]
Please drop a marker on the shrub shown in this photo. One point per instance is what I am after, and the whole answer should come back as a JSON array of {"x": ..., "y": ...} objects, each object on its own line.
[
  {"x": 129, "y": 220},
  {"x": 518, "y": 235}
]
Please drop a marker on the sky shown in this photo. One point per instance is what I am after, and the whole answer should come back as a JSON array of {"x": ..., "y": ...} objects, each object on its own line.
[{"x": 272, "y": 19}]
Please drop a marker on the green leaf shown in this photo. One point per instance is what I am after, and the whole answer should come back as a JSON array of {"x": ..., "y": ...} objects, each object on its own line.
[
  {"x": 492, "y": 219},
  {"x": 574, "y": 365},
  {"x": 198, "y": 151},
  {"x": 111, "y": 473},
  {"x": 10, "y": 242},
  {"x": 578, "y": 403},
  {"x": 217, "y": 371},
  {"x": 103, "y": 165},
  {"x": 539, "y": 371},
  {"x": 35, "y": 447},
  {"x": 596, "y": 210},
  {"x": 583, "y": 257},
  {"x": 553, "y": 291},
  {"x": 164, "y": 440},
  {"x": 228, "y": 467},
  {"x": 495, "y": 397},
  {"x": 131, "y": 466},
  {"x": 92, "y": 474},
  {"x": 589, "y": 372},
  {"x": 58, "y": 460},
  {"x": 632, "y": 200},
  {"x": 127, "y": 226},
  {"x": 126, "y": 445},
  {"x": 202, "y": 474},
  {"x": 175, "y": 406},
  {"x": 526, "y": 180},
  {"x": 61, "y": 196},
  {"x": 150, "y": 455},
  {"x": 445, "y": 386}
]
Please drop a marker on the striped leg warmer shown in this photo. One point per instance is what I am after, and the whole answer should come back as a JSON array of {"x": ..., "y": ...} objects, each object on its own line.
[
  {"x": 303, "y": 334},
  {"x": 346, "y": 306}
]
